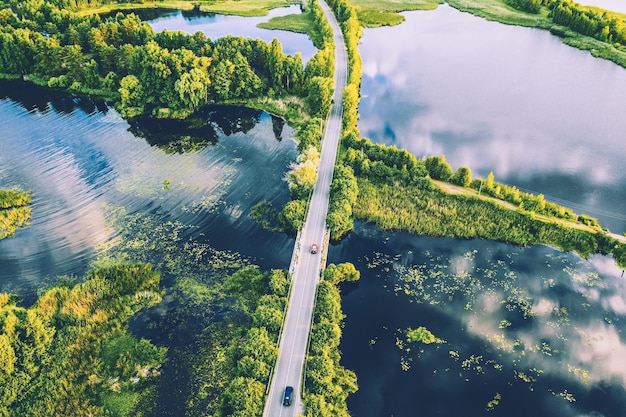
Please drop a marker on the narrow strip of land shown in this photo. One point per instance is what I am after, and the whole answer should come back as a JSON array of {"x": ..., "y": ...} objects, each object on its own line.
[{"x": 293, "y": 343}]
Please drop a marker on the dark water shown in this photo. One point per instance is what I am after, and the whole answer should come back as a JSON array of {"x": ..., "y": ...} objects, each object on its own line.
[
  {"x": 83, "y": 163},
  {"x": 541, "y": 115},
  {"x": 216, "y": 26},
  {"x": 543, "y": 330}
]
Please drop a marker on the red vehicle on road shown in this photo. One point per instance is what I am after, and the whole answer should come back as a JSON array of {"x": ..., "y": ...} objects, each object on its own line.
[{"x": 314, "y": 248}]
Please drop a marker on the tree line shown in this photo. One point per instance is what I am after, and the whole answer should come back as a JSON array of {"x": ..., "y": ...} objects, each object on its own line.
[
  {"x": 344, "y": 189},
  {"x": 602, "y": 25},
  {"x": 168, "y": 74},
  {"x": 328, "y": 383},
  {"x": 396, "y": 191}
]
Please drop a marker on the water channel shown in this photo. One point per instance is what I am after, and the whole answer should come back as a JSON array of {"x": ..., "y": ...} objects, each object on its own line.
[{"x": 523, "y": 331}]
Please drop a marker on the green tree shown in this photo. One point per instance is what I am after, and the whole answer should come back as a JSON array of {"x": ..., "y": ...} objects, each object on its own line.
[
  {"x": 244, "y": 397},
  {"x": 193, "y": 88},
  {"x": 438, "y": 168},
  {"x": 131, "y": 95},
  {"x": 462, "y": 177},
  {"x": 343, "y": 272},
  {"x": 292, "y": 215},
  {"x": 320, "y": 96}
]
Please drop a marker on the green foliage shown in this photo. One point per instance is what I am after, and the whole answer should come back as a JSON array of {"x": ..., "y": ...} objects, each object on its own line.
[
  {"x": 343, "y": 194},
  {"x": 588, "y": 221},
  {"x": 462, "y": 177},
  {"x": 244, "y": 397},
  {"x": 342, "y": 272},
  {"x": 438, "y": 168},
  {"x": 171, "y": 74},
  {"x": 421, "y": 335},
  {"x": 303, "y": 174},
  {"x": 604, "y": 26},
  {"x": 530, "y": 6},
  {"x": 266, "y": 215},
  {"x": 309, "y": 134},
  {"x": 320, "y": 96},
  {"x": 292, "y": 216},
  {"x": 433, "y": 212},
  {"x": 70, "y": 353},
  {"x": 327, "y": 381},
  {"x": 14, "y": 211}
]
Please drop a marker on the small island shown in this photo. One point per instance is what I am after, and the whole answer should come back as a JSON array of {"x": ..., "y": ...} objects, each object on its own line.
[{"x": 15, "y": 211}]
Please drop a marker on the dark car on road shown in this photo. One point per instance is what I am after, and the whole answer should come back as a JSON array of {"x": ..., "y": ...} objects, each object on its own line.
[{"x": 288, "y": 396}]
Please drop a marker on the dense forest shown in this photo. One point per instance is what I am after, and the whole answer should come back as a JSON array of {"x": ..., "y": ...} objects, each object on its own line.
[{"x": 167, "y": 74}]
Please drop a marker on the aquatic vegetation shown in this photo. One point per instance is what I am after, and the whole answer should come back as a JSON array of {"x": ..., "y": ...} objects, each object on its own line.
[
  {"x": 421, "y": 335},
  {"x": 166, "y": 245},
  {"x": 494, "y": 402},
  {"x": 531, "y": 326},
  {"x": 15, "y": 211}
]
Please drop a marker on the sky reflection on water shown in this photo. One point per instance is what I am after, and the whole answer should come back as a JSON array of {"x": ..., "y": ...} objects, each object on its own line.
[
  {"x": 80, "y": 166},
  {"x": 539, "y": 330},
  {"x": 543, "y": 116}
]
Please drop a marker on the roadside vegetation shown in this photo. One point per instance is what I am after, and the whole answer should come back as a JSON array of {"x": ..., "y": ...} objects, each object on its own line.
[
  {"x": 15, "y": 211},
  {"x": 399, "y": 192},
  {"x": 328, "y": 384}
]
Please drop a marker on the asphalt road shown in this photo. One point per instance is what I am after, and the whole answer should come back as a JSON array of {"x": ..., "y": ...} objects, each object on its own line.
[{"x": 293, "y": 343}]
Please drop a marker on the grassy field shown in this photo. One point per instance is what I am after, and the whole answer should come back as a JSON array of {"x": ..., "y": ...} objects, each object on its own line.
[
  {"x": 374, "y": 13},
  {"x": 230, "y": 7},
  {"x": 299, "y": 23}
]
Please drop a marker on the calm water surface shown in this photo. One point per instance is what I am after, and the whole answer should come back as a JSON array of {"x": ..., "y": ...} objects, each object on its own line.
[
  {"x": 524, "y": 331},
  {"x": 82, "y": 162},
  {"x": 216, "y": 26},
  {"x": 543, "y": 116}
]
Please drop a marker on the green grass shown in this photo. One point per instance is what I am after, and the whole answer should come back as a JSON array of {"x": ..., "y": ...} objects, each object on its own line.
[
  {"x": 449, "y": 212},
  {"x": 299, "y": 23},
  {"x": 244, "y": 7},
  {"x": 375, "y": 13},
  {"x": 290, "y": 108},
  {"x": 230, "y": 7}
]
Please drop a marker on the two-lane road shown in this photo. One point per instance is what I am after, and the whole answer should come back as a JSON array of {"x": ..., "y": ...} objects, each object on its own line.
[{"x": 293, "y": 343}]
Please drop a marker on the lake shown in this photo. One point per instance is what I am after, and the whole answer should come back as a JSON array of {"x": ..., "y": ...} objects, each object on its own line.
[
  {"x": 542, "y": 116},
  {"x": 523, "y": 331},
  {"x": 85, "y": 165},
  {"x": 216, "y": 26}
]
